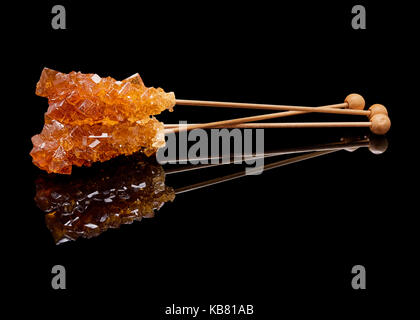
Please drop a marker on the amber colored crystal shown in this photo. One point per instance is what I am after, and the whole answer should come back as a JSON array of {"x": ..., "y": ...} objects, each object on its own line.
[
  {"x": 93, "y": 119},
  {"x": 78, "y": 98},
  {"x": 121, "y": 191}
]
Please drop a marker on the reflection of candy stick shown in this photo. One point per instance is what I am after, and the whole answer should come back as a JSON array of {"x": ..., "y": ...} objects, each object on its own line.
[
  {"x": 237, "y": 175},
  {"x": 127, "y": 190},
  {"x": 376, "y": 145}
]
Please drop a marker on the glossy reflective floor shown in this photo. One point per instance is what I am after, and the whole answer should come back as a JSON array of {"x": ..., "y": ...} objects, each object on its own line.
[
  {"x": 285, "y": 240},
  {"x": 128, "y": 189}
]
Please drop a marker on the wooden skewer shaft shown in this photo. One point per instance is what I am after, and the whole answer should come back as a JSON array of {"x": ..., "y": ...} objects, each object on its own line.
[
  {"x": 240, "y": 105},
  {"x": 324, "y": 109},
  {"x": 274, "y": 125},
  {"x": 379, "y": 121},
  {"x": 269, "y": 116},
  {"x": 227, "y": 124}
]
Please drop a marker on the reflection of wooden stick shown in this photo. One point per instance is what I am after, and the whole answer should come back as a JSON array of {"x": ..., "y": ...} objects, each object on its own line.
[
  {"x": 242, "y": 174},
  {"x": 326, "y": 147}
]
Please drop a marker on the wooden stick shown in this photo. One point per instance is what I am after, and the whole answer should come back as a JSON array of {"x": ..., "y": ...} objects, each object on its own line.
[
  {"x": 236, "y": 123},
  {"x": 324, "y": 109},
  {"x": 242, "y": 174},
  {"x": 240, "y": 105},
  {"x": 275, "y": 125}
]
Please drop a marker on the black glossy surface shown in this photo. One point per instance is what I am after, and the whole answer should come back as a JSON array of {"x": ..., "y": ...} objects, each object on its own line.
[{"x": 287, "y": 237}]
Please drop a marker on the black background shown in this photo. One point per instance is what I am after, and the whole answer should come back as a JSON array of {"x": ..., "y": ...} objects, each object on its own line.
[{"x": 286, "y": 239}]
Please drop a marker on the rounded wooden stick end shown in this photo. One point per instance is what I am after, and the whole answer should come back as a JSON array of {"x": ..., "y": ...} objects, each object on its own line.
[
  {"x": 380, "y": 124},
  {"x": 355, "y": 101},
  {"x": 377, "y": 109}
]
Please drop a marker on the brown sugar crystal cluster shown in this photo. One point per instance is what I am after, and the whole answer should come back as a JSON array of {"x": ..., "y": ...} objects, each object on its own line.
[{"x": 93, "y": 119}]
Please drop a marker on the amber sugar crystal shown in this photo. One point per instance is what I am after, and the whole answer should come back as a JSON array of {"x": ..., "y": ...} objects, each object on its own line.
[{"x": 93, "y": 119}]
